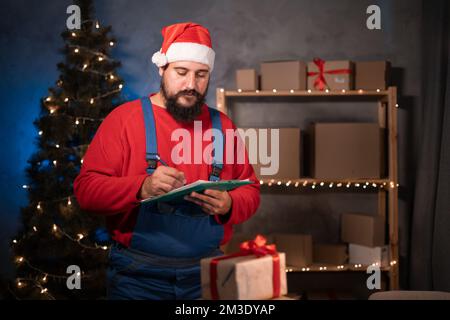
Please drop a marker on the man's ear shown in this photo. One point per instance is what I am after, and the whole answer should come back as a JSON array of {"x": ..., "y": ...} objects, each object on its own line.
[{"x": 161, "y": 71}]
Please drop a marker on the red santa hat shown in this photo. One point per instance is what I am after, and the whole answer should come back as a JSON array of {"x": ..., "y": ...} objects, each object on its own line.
[{"x": 185, "y": 42}]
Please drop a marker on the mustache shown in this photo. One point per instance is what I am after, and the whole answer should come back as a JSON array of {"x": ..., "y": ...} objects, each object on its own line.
[{"x": 188, "y": 93}]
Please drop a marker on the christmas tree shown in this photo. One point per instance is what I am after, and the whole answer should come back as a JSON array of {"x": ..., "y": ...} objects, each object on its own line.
[{"x": 55, "y": 232}]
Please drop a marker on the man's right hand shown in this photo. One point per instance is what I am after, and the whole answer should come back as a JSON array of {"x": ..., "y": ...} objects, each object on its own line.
[{"x": 163, "y": 180}]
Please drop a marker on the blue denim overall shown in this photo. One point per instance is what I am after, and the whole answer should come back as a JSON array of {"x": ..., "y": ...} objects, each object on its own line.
[{"x": 169, "y": 239}]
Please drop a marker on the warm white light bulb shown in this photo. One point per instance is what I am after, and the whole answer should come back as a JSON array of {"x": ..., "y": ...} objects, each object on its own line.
[
  {"x": 55, "y": 228},
  {"x": 111, "y": 77},
  {"x": 34, "y": 228},
  {"x": 111, "y": 43},
  {"x": 76, "y": 50},
  {"x": 91, "y": 101},
  {"x": 55, "y": 162},
  {"x": 57, "y": 145},
  {"x": 74, "y": 34},
  {"x": 239, "y": 90},
  {"x": 66, "y": 99},
  {"x": 100, "y": 58},
  {"x": 77, "y": 122},
  {"x": 97, "y": 25},
  {"x": 69, "y": 202},
  {"x": 80, "y": 236},
  {"x": 120, "y": 86}
]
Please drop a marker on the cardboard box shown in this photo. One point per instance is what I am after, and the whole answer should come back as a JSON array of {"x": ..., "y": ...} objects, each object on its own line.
[
  {"x": 237, "y": 238},
  {"x": 368, "y": 255},
  {"x": 243, "y": 278},
  {"x": 347, "y": 151},
  {"x": 363, "y": 229},
  {"x": 246, "y": 79},
  {"x": 283, "y": 160},
  {"x": 330, "y": 253},
  {"x": 283, "y": 75},
  {"x": 333, "y": 81},
  {"x": 372, "y": 75},
  {"x": 297, "y": 247}
]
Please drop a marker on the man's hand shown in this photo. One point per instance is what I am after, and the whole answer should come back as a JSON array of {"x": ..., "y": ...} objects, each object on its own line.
[
  {"x": 212, "y": 201},
  {"x": 163, "y": 180}
]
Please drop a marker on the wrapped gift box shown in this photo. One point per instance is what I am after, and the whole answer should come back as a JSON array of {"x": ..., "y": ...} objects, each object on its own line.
[
  {"x": 372, "y": 75},
  {"x": 283, "y": 75},
  {"x": 364, "y": 255},
  {"x": 362, "y": 229},
  {"x": 287, "y": 148},
  {"x": 330, "y": 253},
  {"x": 347, "y": 151},
  {"x": 337, "y": 75},
  {"x": 297, "y": 247},
  {"x": 246, "y": 79},
  {"x": 244, "y": 278}
]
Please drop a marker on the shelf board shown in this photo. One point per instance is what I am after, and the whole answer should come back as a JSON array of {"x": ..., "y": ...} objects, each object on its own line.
[
  {"x": 326, "y": 183},
  {"x": 333, "y": 268},
  {"x": 304, "y": 93}
]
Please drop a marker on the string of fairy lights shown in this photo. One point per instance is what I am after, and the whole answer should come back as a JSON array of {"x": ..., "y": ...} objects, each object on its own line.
[
  {"x": 314, "y": 184},
  {"x": 56, "y": 230}
]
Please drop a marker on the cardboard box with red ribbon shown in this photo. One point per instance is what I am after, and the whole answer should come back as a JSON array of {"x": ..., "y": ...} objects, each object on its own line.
[
  {"x": 331, "y": 75},
  {"x": 256, "y": 272}
]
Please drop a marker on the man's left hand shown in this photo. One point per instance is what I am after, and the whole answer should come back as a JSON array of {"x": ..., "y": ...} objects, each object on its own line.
[{"x": 212, "y": 201}]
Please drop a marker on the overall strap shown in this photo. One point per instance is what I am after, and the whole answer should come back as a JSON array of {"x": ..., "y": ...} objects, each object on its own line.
[
  {"x": 151, "y": 147},
  {"x": 218, "y": 145}
]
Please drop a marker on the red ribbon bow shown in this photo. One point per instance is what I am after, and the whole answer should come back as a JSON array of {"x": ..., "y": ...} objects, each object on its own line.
[
  {"x": 320, "y": 83},
  {"x": 256, "y": 247}
]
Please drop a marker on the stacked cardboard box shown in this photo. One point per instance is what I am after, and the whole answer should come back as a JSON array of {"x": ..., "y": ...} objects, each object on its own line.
[
  {"x": 372, "y": 75},
  {"x": 335, "y": 254},
  {"x": 247, "y": 80},
  {"x": 347, "y": 150},
  {"x": 366, "y": 237},
  {"x": 283, "y": 75},
  {"x": 338, "y": 75},
  {"x": 298, "y": 248},
  {"x": 283, "y": 153}
]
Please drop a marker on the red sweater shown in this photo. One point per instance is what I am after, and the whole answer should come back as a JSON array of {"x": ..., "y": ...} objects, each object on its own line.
[{"x": 114, "y": 169}]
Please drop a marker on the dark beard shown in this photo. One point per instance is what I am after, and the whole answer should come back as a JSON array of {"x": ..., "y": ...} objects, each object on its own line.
[{"x": 179, "y": 112}]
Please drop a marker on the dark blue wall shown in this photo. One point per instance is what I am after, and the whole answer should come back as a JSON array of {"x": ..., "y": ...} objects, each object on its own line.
[{"x": 244, "y": 33}]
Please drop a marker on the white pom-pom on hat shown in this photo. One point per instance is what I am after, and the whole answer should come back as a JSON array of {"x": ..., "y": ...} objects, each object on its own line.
[{"x": 160, "y": 59}]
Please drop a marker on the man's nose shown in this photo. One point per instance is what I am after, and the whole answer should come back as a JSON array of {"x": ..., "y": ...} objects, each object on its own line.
[{"x": 190, "y": 81}]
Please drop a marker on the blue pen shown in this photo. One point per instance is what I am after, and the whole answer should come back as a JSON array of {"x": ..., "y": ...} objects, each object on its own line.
[{"x": 161, "y": 160}]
